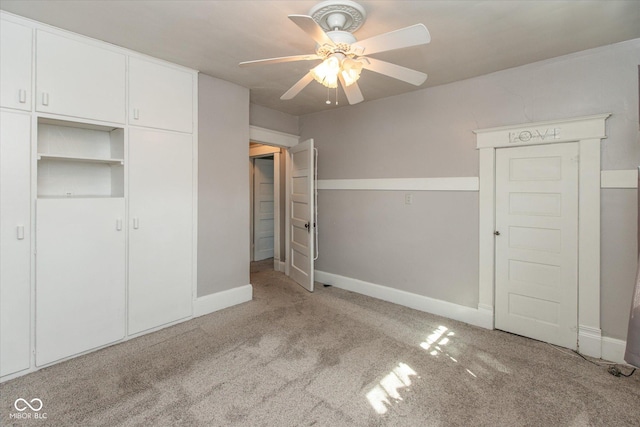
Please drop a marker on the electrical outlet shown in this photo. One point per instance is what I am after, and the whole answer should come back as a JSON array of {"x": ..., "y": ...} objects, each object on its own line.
[{"x": 408, "y": 199}]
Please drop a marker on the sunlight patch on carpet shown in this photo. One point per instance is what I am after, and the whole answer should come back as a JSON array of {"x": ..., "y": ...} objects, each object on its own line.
[
  {"x": 439, "y": 337},
  {"x": 387, "y": 390}
]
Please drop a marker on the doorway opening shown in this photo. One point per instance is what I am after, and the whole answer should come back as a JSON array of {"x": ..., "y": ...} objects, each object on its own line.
[
  {"x": 267, "y": 178},
  {"x": 294, "y": 200}
]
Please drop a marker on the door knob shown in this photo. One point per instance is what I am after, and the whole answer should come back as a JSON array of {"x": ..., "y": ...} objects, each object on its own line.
[
  {"x": 497, "y": 233},
  {"x": 307, "y": 226}
]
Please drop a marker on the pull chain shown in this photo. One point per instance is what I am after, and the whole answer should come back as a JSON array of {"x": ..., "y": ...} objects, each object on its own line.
[{"x": 336, "y": 95}]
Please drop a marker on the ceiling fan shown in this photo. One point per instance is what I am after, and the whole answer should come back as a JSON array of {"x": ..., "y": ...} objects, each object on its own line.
[{"x": 331, "y": 24}]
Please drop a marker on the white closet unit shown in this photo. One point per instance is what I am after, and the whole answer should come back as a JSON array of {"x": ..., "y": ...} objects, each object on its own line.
[
  {"x": 161, "y": 228},
  {"x": 79, "y": 79},
  {"x": 97, "y": 210},
  {"x": 15, "y": 242},
  {"x": 160, "y": 96},
  {"x": 15, "y": 66}
]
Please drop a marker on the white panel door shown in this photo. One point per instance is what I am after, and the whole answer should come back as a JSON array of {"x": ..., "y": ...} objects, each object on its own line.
[
  {"x": 79, "y": 79},
  {"x": 15, "y": 66},
  {"x": 161, "y": 224},
  {"x": 301, "y": 214},
  {"x": 537, "y": 244},
  {"x": 263, "y": 209},
  {"x": 80, "y": 275},
  {"x": 160, "y": 96},
  {"x": 15, "y": 242}
]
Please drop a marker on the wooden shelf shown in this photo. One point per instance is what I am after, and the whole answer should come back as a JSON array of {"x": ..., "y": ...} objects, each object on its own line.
[{"x": 42, "y": 156}]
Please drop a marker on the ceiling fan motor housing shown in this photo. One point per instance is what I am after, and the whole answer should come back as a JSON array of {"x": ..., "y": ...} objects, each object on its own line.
[
  {"x": 342, "y": 40},
  {"x": 343, "y": 15}
]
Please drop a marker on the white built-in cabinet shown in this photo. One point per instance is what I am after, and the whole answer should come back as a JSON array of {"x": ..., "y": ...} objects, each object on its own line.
[
  {"x": 80, "y": 270},
  {"x": 79, "y": 79},
  {"x": 160, "y": 96},
  {"x": 80, "y": 208},
  {"x": 161, "y": 227},
  {"x": 15, "y": 241},
  {"x": 15, "y": 66},
  {"x": 100, "y": 206}
]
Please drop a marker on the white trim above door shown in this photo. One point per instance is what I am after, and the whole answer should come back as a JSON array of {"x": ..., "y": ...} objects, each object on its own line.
[
  {"x": 588, "y": 133},
  {"x": 272, "y": 137}
]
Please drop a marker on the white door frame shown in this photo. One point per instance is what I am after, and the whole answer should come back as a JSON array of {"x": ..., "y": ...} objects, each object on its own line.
[
  {"x": 283, "y": 140},
  {"x": 588, "y": 132}
]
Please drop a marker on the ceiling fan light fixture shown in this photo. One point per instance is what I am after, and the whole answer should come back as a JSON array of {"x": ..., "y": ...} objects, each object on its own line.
[
  {"x": 327, "y": 72},
  {"x": 350, "y": 76},
  {"x": 351, "y": 71}
]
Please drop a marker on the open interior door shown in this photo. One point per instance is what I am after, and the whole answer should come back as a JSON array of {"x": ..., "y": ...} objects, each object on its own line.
[{"x": 301, "y": 214}]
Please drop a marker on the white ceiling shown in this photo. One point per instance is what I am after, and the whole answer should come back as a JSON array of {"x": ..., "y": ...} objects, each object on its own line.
[{"x": 469, "y": 38}]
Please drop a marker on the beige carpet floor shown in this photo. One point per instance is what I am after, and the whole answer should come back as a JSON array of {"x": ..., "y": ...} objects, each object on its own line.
[{"x": 331, "y": 358}]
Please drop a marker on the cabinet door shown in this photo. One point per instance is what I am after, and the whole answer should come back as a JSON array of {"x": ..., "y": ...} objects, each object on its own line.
[
  {"x": 79, "y": 79},
  {"x": 161, "y": 220},
  {"x": 160, "y": 96},
  {"x": 15, "y": 66},
  {"x": 80, "y": 276},
  {"x": 15, "y": 242}
]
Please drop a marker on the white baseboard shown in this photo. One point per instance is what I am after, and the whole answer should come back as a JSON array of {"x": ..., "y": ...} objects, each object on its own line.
[
  {"x": 486, "y": 313},
  {"x": 214, "y": 302},
  {"x": 278, "y": 265},
  {"x": 613, "y": 349},
  {"x": 590, "y": 341},
  {"x": 482, "y": 318}
]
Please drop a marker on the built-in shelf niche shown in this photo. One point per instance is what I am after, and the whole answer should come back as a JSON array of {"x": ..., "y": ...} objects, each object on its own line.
[{"x": 79, "y": 160}]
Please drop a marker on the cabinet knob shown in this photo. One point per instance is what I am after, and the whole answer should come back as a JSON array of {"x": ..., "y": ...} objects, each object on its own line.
[
  {"x": 136, "y": 223},
  {"x": 20, "y": 232},
  {"x": 22, "y": 96},
  {"x": 45, "y": 98},
  {"x": 136, "y": 114},
  {"x": 118, "y": 224}
]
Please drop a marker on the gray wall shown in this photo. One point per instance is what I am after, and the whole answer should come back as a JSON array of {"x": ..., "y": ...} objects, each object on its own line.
[
  {"x": 430, "y": 248},
  {"x": 426, "y": 248},
  {"x": 271, "y": 119},
  {"x": 619, "y": 259},
  {"x": 223, "y": 185}
]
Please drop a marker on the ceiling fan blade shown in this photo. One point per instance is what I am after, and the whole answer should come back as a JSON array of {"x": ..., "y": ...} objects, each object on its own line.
[
  {"x": 405, "y": 37},
  {"x": 280, "y": 59},
  {"x": 296, "y": 88},
  {"x": 396, "y": 71},
  {"x": 352, "y": 91},
  {"x": 311, "y": 27}
]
